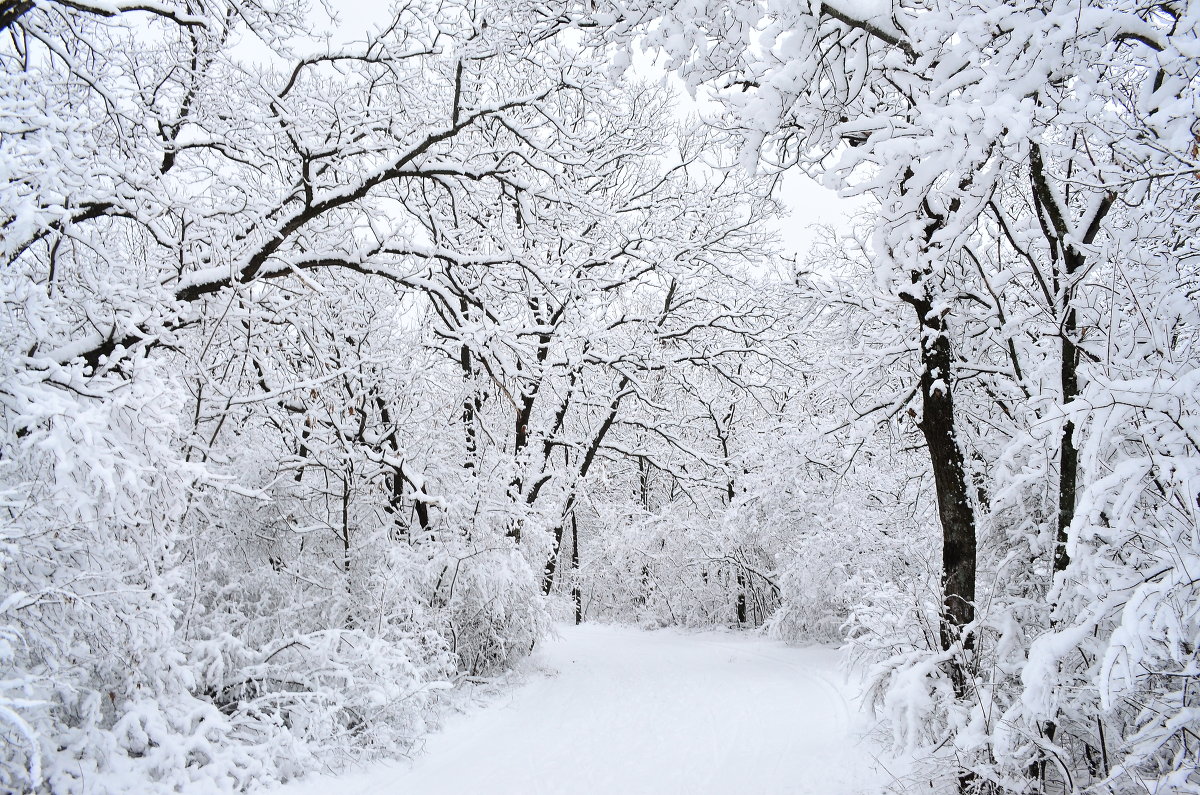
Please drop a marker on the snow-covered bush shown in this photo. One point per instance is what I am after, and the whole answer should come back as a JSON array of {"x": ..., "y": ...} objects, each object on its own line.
[
  {"x": 488, "y": 606},
  {"x": 94, "y": 493}
]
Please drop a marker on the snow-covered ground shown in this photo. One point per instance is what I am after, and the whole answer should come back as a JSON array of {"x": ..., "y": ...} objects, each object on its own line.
[{"x": 622, "y": 710}]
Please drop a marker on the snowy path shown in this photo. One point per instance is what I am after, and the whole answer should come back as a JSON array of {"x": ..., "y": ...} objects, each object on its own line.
[{"x": 647, "y": 712}]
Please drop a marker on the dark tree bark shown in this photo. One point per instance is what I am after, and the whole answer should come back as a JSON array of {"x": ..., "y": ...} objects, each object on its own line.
[
  {"x": 10, "y": 12},
  {"x": 740, "y": 605},
  {"x": 949, "y": 476},
  {"x": 569, "y": 509},
  {"x": 576, "y": 594},
  {"x": 1067, "y": 261},
  {"x": 955, "y": 512},
  {"x": 950, "y": 483},
  {"x": 397, "y": 479}
]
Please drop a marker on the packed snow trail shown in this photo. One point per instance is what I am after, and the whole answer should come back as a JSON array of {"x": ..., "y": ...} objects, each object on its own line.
[{"x": 622, "y": 710}]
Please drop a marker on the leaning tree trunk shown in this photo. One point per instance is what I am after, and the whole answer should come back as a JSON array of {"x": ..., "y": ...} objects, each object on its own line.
[{"x": 576, "y": 592}]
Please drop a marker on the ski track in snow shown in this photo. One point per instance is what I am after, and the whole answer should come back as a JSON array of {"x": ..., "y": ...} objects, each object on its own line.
[{"x": 631, "y": 711}]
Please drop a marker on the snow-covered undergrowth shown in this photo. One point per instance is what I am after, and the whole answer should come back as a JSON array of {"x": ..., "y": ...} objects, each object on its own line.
[{"x": 150, "y": 646}]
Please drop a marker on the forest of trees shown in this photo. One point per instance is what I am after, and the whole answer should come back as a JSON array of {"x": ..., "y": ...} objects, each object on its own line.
[{"x": 334, "y": 372}]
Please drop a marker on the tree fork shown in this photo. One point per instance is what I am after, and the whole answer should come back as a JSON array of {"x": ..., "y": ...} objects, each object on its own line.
[{"x": 1056, "y": 229}]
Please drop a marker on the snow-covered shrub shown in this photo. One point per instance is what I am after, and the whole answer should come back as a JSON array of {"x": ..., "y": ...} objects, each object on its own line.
[
  {"x": 488, "y": 606},
  {"x": 839, "y": 543},
  {"x": 1117, "y": 668},
  {"x": 94, "y": 490},
  {"x": 317, "y": 674},
  {"x": 22, "y": 765}
]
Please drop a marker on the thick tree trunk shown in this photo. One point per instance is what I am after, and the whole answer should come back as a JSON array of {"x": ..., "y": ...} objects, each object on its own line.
[
  {"x": 950, "y": 482},
  {"x": 740, "y": 604},
  {"x": 954, "y": 508},
  {"x": 949, "y": 471},
  {"x": 1068, "y": 462},
  {"x": 551, "y": 565}
]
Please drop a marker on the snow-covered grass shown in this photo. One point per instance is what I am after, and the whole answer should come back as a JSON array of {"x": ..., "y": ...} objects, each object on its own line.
[{"x": 611, "y": 709}]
